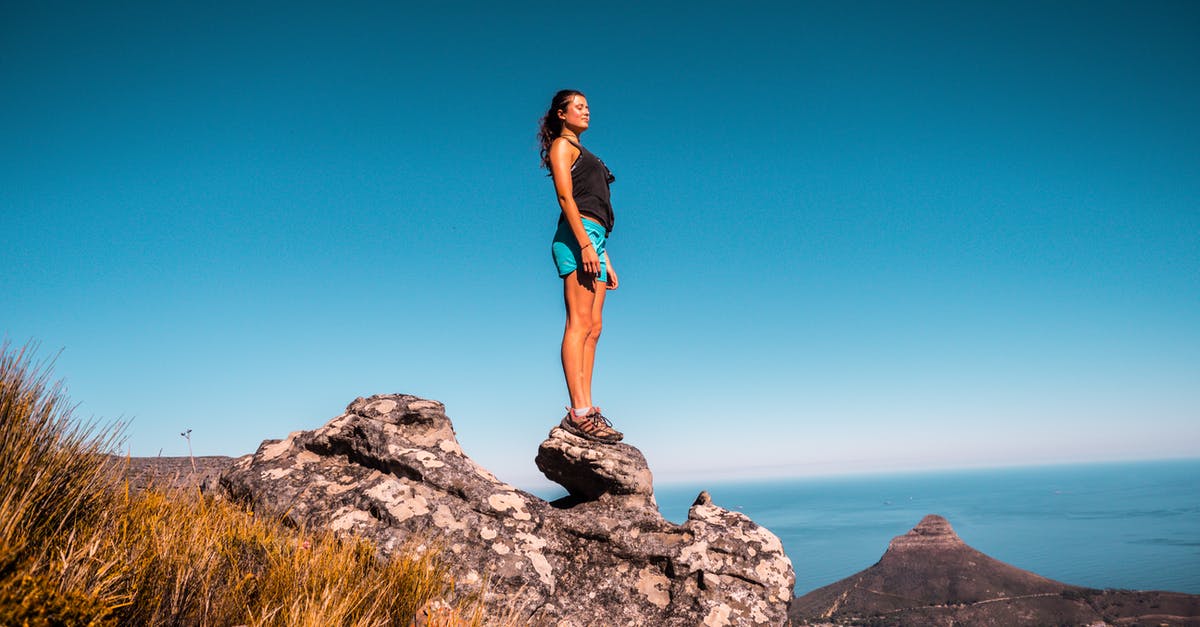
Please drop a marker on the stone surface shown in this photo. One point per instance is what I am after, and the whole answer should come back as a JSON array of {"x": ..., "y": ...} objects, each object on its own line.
[
  {"x": 171, "y": 473},
  {"x": 930, "y": 577},
  {"x": 587, "y": 469},
  {"x": 390, "y": 469}
]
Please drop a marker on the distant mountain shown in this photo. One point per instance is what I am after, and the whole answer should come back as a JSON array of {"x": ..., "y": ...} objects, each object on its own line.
[{"x": 930, "y": 577}]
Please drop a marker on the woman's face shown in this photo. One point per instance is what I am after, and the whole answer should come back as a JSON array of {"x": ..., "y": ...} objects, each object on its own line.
[{"x": 575, "y": 117}]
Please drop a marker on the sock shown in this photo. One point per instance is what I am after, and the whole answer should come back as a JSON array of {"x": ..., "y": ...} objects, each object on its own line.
[{"x": 580, "y": 412}]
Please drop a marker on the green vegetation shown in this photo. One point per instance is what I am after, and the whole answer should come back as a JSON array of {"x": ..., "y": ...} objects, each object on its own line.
[{"x": 79, "y": 547}]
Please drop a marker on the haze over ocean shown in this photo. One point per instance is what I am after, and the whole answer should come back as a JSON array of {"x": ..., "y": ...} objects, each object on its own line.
[
  {"x": 1127, "y": 525},
  {"x": 852, "y": 238}
]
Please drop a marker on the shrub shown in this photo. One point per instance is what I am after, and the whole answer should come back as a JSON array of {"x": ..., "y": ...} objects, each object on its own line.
[
  {"x": 38, "y": 602},
  {"x": 53, "y": 471},
  {"x": 78, "y": 546}
]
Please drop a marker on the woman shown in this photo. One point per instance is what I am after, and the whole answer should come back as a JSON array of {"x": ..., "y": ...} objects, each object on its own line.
[{"x": 581, "y": 184}]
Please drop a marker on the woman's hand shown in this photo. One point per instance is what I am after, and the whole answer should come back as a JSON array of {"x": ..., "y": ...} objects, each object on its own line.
[
  {"x": 591, "y": 261},
  {"x": 613, "y": 282}
]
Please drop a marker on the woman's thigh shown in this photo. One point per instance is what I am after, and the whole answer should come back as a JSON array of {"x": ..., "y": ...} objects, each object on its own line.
[{"x": 584, "y": 297}]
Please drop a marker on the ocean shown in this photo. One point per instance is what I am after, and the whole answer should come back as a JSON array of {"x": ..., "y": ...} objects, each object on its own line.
[{"x": 1128, "y": 525}]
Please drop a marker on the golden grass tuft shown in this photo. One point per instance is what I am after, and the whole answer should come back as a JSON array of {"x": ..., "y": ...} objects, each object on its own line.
[{"x": 79, "y": 547}]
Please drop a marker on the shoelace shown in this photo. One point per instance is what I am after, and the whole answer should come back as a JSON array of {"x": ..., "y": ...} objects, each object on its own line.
[{"x": 599, "y": 420}]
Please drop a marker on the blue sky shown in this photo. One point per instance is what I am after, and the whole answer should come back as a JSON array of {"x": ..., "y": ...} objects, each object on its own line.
[{"x": 852, "y": 237}]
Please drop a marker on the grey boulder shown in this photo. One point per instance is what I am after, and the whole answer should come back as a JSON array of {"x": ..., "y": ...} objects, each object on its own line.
[{"x": 390, "y": 469}]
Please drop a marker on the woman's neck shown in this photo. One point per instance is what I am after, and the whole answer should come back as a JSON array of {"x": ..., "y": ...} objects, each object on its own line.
[{"x": 571, "y": 132}]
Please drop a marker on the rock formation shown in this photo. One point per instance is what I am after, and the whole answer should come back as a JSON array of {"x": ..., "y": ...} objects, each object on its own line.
[
  {"x": 189, "y": 473},
  {"x": 390, "y": 469},
  {"x": 930, "y": 577}
]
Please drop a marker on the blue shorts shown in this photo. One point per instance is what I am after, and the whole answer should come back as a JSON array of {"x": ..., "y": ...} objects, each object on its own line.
[{"x": 566, "y": 250}]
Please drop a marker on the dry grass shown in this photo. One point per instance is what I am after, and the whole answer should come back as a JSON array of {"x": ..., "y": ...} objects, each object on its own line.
[{"x": 78, "y": 547}]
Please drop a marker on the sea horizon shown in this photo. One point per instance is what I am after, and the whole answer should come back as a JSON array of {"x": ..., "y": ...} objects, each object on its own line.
[
  {"x": 1123, "y": 525},
  {"x": 673, "y": 478}
]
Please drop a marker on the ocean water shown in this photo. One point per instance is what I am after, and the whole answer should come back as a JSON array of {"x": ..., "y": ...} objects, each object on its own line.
[{"x": 1129, "y": 525}]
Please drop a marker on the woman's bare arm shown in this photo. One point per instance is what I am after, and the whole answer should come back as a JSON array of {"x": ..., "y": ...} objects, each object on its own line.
[
  {"x": 613, "y": 282},
  {"x": 562, "y": 157}
]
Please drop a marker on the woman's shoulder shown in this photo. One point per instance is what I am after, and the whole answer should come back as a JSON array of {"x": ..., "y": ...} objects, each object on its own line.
[
  {"x": 560, "y": 141},
  {"x": 564, "y": 146}
]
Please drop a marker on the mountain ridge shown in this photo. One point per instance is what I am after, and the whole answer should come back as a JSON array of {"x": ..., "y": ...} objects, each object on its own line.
[{"x": 930, "y": 577}]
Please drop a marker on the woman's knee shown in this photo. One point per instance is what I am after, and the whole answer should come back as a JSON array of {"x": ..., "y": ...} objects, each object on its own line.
[
  {"x": 581, "y": 325},
  {"x": 593, "y": 330}
]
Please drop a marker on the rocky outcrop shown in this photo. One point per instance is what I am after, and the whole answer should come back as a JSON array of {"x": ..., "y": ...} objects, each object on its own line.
[
  {"x": 390, "y": 469},
  {"x": 589, "y": 471},
  {"x": 174, "y": 473},
  {"x": 930, "y": 577}
]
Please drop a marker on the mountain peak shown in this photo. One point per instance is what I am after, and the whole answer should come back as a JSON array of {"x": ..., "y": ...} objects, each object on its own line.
[
  {"x": 933, "y": 532},
  {"x": 929, "y": 576}
]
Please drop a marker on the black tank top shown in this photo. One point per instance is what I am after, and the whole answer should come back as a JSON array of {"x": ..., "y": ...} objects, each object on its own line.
[{"x": 589, "y": 186}]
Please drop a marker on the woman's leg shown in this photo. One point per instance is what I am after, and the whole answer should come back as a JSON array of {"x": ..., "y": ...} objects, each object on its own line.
[
  {"x": 584, "y": 298},
  {"x": 593, "y": 336},
  {"x": 578, "y": 346}
]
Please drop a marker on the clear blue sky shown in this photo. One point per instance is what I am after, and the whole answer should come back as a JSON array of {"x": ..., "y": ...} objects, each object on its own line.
[{"x": 852, "y": 236}]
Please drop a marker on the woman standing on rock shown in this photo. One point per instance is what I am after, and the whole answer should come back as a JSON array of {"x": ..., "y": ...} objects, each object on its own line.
[{"x": 586, "y": 218}]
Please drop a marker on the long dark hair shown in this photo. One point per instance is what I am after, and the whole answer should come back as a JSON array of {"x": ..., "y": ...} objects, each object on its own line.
[{"x": 551, "y": 125}]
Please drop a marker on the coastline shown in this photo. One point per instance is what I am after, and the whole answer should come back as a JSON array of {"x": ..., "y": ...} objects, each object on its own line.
[{"x": 1127, "y": 525}]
